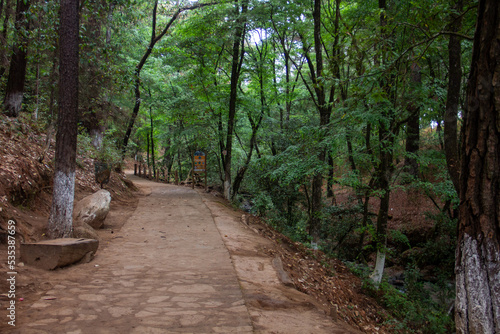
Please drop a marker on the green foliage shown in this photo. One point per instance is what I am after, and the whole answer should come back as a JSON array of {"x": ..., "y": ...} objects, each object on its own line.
[
  {"x": 414, "y": 309},
  {"x": 399, "y": 239},
  {"x": 439, "y": 250},
  {"x": 107, "y": 152},
  {"x": 340, "y": 227}
]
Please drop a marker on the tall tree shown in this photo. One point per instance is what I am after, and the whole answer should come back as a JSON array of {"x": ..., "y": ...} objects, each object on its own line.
[
  {"x": 477, "y": 264},
  {"x": 60, "y": 219},
  {"x": 453, "y": 97},
  {"x": 237, "y": 61},
  {"x": 413, "y": 125},
  {"x": 259, "y": 55},
  {"x": 17, "y": 72},
  {"x": 322, "y": 95},
  {"x": 387, "y": 131},
  {"x": 5, "y": 11},
  {"x": 155, "y": 38}
]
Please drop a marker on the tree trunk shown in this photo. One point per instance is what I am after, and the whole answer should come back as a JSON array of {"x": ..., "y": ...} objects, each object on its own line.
[
  {"x": 331, "y": 177},
  {"x": 60, "y": 221},
  {"x": 179, "y": 163},
  {"x": 413, "y": 126},
  {"x": 235, "y": 76},
  {"x": 147, "y": 149},
  {"x": 4, "y": 61},
  {"x": 386, "y": 134},
  {"x": 17, "y": 71},
  {"x": 137, "y": 74},
  {"x": 453, "y": 97},
  {"x": 477, "y": 266},
  {"x": 324, "y": 118},
  {"x": 152, "y": 142}
]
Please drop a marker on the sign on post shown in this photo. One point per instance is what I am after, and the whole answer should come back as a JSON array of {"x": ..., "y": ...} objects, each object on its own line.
[
  {"x": 199, "y": 161},
  {"x": 199, "y": 166}
]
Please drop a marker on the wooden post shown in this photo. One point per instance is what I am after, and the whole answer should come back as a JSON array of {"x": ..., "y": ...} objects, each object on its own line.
[
  {"x": 135, "y": 169},
  {"x": 165, "y": 174},
  {"x": 192, "y": 171},
  {"x": 177, "y": 177},
  {"x": 140, "y": 169}
]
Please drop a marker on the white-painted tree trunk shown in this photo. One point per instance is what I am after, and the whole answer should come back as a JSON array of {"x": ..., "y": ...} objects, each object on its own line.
[
  {"x": 61, "y": 213},
  {"x": 13, "y": 103},
  {"x": 227, "y": 189},
  {"x": 378, "y": 271}
]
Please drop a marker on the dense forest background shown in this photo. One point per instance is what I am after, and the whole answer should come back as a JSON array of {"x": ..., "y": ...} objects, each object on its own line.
[{"x": 312, "y": 114}]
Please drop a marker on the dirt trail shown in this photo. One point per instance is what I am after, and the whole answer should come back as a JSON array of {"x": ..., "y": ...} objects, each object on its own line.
[{"x": 182, "y": 263}]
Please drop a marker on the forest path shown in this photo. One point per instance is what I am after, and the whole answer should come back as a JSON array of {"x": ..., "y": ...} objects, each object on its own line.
[{"x": 182, "y": 263}]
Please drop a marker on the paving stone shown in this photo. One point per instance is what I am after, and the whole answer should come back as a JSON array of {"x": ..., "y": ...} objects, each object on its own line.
[{"x": 182, "y": 289}]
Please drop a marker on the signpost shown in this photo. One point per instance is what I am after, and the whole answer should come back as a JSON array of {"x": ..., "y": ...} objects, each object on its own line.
[{"x": 199, "y": 166}]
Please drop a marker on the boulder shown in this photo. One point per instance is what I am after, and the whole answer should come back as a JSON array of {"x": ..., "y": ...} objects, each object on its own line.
[
  {"x": 92, "y": 210},
  {"x": 51, "y": 254},
  {"x": 85, "y": 231}
]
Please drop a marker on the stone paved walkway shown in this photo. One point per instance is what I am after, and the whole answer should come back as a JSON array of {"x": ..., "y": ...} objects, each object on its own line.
[{"x": 167, "y": 271}]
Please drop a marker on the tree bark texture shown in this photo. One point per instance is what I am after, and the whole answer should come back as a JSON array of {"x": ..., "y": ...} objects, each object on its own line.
[
  {"x": 60, "y": 219},
  {"x": 17, "y": 72},
  {"x": 453, "y": 98},
  {"x": 477, "y": 266}
]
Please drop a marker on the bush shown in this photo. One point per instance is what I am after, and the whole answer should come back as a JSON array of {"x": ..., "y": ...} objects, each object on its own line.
[
  {"x": 339, "y": 227},
  {"x": 413, "y": 309},
  {"x": 108, "y": 152}
]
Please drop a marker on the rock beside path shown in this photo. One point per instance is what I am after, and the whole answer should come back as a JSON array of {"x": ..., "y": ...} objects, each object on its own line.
[
  {"x": 51, "y": 254},
  {"x": 92, "y": 210}
]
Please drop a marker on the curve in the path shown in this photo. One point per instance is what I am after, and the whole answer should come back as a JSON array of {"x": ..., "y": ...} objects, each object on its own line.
[{"x": 166, "y": 271}]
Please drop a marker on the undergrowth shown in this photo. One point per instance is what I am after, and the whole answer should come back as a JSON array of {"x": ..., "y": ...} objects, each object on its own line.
[{"x": 422, "y": 308}]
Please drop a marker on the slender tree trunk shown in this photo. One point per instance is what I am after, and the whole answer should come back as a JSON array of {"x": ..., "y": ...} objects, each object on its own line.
[
  {"x": 324, "y": 119},
  {"x": 137, "y": 74},
  {"x": 331, "y": 177},
  {"x": 17, "y": 71},
  {"x": 60, "y": 221},
  {"x": 4, "y": 61},
  {"x": 241, "y": 172},
  {"x": 152, "y": 142},
  {"x": 147, "y": 149},
  {"x": 477, "y": 266},
  {"x": 386, "y": 134},
  {"x": 413, "y": 126},
  {"x": 235, "y": 76},
  {"x": 53, "y": 84},
  {"x": 109, "y": 23},
  {"x": 179, "y": 163},
  {"x": 37, "y": 91},
  {"x": 255, "y": 124},
  {"x": 452, "y": 99}
]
